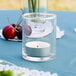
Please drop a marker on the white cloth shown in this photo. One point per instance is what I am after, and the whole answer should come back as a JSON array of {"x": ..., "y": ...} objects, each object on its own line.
[{"x": 59, "y": 33}]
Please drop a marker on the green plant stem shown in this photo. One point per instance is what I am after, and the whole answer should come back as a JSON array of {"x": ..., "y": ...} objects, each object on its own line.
[
  {"x": 38, "y": 5},
  {"x": 32, "y": 5},
  {"x": 35, "y": 3},
  {"x": 29, "y": 6},
  {"x": 32, "y": 2}
]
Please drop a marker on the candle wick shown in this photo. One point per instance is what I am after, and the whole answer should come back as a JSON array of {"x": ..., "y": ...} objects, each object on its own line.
[{"x": 37, "y": 46}]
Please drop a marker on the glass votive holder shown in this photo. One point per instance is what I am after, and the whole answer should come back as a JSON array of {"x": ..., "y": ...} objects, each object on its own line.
[{"x": 39, "y": 36}]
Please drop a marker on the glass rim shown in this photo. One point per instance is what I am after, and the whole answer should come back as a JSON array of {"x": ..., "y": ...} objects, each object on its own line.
[{"x": 51, "y": 15}]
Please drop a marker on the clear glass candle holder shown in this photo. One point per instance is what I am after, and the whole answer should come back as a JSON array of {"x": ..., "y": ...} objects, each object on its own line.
[{"x": 39, "y": 36}]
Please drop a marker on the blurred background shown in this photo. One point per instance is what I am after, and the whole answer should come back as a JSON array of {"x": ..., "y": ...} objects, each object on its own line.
[{"x": 59, "y": 5}]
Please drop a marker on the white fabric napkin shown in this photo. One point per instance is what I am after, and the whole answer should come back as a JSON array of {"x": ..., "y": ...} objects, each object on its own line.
[{"x": 59, "y": 33}]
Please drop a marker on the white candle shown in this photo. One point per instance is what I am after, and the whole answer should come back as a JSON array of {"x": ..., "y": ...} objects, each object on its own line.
[{"x": 37, "y": 48}]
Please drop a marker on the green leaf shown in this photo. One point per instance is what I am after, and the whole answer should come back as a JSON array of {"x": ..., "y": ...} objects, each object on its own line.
[{"x": 6, "y": 73}]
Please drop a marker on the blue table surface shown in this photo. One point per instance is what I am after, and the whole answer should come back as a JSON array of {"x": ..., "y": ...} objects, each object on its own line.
[{"x": 65, "y": 62}]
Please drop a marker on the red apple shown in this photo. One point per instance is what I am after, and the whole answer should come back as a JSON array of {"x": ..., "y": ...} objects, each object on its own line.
[{"x": 9, "y": 32}]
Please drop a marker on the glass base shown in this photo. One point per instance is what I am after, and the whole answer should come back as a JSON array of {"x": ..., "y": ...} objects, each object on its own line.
[{"x": 39, "y": 59}]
